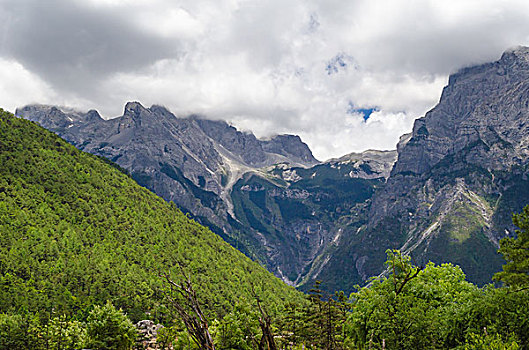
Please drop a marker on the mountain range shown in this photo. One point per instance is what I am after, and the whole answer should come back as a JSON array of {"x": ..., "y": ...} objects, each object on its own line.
[{"x": 446, "y": 194}]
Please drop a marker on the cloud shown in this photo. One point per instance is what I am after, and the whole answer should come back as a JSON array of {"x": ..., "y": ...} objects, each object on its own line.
[
  {"x": 272, "y": 66},
  {"x": 74, "y": 46},
  {"x": 19, "y": 86}
]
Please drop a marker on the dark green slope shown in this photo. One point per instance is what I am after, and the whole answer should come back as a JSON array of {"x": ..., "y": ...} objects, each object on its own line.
[{"x": 76, "y": 231}]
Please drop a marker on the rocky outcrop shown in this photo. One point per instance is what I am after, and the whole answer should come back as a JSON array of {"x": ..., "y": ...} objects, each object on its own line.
[
  {"x": 482, "y": 121},
  {"x": 291, "y": 147},
  {"x": 370, "y": 164},
  {"x": 148, "y": 336}
]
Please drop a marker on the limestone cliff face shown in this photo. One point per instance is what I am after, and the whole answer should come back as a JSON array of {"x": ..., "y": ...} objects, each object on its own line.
[
  {"x": 459, "y": 175},
  {"x": 482, "y": 121},
  {"x": 482, "y": 112},
  {"x": 370, "y": 164},
  {"x": 291, "y": 147}
]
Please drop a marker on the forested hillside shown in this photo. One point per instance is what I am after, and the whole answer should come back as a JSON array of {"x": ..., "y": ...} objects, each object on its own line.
[
  {"x": 190, "y": 161},
  {"x": 76, "y": 231}
]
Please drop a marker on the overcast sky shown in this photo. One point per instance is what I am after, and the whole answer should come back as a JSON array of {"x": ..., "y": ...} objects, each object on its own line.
[{"x": 312, "y": 68}]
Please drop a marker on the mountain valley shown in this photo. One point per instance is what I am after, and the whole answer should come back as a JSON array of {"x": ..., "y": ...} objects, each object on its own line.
[{"x": 445, "y": 195}]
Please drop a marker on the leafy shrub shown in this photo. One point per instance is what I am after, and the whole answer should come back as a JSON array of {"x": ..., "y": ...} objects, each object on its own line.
[
  {"x": 65, "y": 334},
  {"x": 109, "y": 328},
  {"x": 19, "y": 332},
  {"x": 489, "y": 342}
]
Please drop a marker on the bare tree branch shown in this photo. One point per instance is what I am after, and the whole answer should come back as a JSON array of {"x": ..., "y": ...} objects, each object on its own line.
[
  {"x": 184, "y": 300},
  {"x": 267, "y": 340}
]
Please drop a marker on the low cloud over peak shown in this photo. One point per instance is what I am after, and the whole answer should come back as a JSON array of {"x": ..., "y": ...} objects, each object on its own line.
[{"x": 271, "y": 67}]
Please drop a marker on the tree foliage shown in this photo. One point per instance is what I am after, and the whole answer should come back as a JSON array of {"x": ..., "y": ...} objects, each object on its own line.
[
  {"x": 409, "y": 309},
  {"x": 516, "y": 252},
  {"x": 108, "y": 328}
]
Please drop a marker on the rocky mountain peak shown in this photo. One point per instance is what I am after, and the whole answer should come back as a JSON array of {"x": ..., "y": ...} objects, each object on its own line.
[
  {"x": 254, "y": 152},
  {"x": 468, "y": 155},
  {"x": 517, "y": 54},
  {"x": 93, "y": 115},
  {"x": 161, "y": 110},
  {"x": 135, "y": 115},
  {"x": 480, "y": 104},
  {"x": 50, "y": 116},
  {"x": 133, "y": 107},
  {"x": 243, "y": 145},
  {"x": 290, "y": 146},
  {"x": 460, "y": 174},
  {"x": 135, "y": 111},
  {"x": 369, "y": 164},
  {"x": 513, "y": 61}
]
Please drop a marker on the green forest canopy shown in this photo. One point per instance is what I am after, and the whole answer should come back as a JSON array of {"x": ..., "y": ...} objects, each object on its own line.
[{"x": 76, "y": 232}]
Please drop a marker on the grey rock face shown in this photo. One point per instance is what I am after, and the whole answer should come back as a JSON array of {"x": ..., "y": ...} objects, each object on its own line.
[
  {"x": 291, "y": 147},
  {"x": 485, "y": 104},
  {"x": 482, "y": 112},
  {"x": 370, "y": 164},
  {"x": 258, "y": 153},
  {"x": 244, "y": 145},
  {"x": 459, "y": 175},
  {"x": 148, "y": 334}
]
